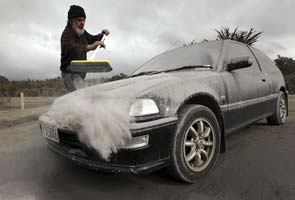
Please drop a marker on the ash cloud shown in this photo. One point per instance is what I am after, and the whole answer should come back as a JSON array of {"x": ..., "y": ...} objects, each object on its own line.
[{"x": 100, "y": 119}]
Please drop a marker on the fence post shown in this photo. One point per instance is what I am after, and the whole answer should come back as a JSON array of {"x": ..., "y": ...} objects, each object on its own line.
[{"x": 22, "y": 103}]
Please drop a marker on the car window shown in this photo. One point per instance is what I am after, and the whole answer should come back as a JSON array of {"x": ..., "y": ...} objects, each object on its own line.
[
  {"x": 266, "y": 63},
  {"x": 238, "y": 50},
  {"x": 207, "y": 53}
]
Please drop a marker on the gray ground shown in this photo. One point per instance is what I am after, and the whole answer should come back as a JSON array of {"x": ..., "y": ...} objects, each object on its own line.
[{"x": 259, "y": 164}]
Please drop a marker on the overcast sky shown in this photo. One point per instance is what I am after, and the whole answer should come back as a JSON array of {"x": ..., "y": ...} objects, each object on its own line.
[{"x": 30, "y": 30}]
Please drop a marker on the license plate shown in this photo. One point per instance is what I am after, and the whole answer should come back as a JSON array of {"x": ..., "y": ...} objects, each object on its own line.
[{"x": 49, "y": 132}]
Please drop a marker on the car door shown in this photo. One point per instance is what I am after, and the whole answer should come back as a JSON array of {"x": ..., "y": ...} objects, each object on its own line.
[
  {"x": 244, "y": 106},
  {"x": 270, "y": 73}
]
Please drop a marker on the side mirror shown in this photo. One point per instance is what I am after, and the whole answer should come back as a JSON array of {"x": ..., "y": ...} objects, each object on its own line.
[{"x": 239, "y": 63}]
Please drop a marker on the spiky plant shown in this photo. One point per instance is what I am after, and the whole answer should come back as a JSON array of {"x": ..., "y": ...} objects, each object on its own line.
[{"x": 247, "y": 37}]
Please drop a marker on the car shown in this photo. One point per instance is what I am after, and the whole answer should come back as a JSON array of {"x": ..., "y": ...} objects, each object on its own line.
[{"x": 184, "y": 103}]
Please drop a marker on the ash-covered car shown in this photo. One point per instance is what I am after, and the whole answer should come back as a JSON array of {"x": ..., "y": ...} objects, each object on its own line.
[{"x": 173, "y": 112}]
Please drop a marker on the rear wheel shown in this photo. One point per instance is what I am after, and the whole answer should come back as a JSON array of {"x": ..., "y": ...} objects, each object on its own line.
[
  {"x": 280, "y": 115},
  {"x": 195, "y": 144}
]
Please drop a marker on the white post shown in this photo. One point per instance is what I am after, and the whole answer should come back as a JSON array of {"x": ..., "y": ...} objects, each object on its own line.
[{"x": 22, "y": 103}]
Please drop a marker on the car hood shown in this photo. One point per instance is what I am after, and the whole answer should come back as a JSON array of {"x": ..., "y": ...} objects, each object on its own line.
[
  {"x": 134, "y": 85},
  {"x": 147, "y": 83}
]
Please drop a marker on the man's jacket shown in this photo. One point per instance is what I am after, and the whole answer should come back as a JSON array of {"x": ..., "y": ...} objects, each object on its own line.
[{"x": 73, "y": 47}]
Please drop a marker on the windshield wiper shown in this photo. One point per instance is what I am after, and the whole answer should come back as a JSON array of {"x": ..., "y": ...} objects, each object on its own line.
[
  {"x": 145, "y": 73},
  {"x": 189, "y": 67},
  {"x": 170, "y": 70}
]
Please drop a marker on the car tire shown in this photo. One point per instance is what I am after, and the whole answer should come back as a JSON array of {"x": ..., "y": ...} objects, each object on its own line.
[
  {"x": 280, "y": 115},
  {"x": 195, "y": 144}
]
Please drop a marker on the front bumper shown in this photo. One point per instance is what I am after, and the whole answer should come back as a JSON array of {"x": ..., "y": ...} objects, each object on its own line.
[{"x": 141, "y": 160}]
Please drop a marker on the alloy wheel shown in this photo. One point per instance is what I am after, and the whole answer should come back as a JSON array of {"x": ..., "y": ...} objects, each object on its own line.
[
  {"x": 283, "y": 109},
  {"x": 199, "y": 144}
]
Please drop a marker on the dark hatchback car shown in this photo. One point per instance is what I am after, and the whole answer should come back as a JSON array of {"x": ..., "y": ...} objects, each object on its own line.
[{"x": 190, "y": 98}]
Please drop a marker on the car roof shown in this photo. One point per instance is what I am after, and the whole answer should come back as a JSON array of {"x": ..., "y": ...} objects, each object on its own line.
[{"x": 211, "y": 42}]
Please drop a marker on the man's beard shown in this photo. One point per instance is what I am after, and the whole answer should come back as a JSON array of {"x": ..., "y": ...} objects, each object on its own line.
[{"x": 78, "y": 31}]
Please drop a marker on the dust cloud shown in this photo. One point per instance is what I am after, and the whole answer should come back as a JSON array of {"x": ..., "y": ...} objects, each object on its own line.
[{"x": 101, "y": 120}]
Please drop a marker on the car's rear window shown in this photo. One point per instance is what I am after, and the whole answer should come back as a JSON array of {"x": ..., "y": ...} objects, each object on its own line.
[{"x": 266, "y": 63}]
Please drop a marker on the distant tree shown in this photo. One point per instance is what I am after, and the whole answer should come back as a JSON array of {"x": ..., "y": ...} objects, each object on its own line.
[
  {"x": 287, "y": 66},
  {"x": 118, "y": 77},
  {"x": 190, "y": 43},
  {"x": 247, "y": 37},
  {"x": 48, "y": 87},
  {"x": 3, "y": 79}
]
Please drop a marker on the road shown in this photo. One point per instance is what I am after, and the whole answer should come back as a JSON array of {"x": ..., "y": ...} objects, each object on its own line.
[{"x": 259, "y": 163}]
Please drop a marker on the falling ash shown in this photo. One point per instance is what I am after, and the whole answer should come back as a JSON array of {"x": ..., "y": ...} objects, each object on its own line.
[{"x": 100, "y": 119}]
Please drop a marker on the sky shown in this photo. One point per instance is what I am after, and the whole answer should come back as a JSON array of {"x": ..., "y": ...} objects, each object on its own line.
[{"x": 139, "y": 30}]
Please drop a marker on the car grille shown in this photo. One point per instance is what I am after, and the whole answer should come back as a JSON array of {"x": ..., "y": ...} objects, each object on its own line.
[{"x": 69, "y": 138}]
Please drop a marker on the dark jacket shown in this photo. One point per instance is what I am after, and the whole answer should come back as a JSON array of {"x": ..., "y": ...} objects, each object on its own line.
[{"x": 73, "y": 47}]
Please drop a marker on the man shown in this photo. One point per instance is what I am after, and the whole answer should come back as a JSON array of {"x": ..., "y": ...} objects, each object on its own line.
[{"x": 75, "y": 43}]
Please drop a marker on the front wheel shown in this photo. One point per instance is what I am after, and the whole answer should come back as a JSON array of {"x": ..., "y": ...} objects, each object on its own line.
[
  {"x": 280, "y": 115},
  {"x": 195, "y": 144}
]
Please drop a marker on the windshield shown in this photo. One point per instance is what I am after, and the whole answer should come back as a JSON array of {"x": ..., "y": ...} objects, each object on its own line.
[{"x": 204, "y": 54}]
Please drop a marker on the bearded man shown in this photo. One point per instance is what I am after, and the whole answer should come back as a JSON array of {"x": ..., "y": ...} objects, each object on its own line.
[{"x": 75, "y": 43}]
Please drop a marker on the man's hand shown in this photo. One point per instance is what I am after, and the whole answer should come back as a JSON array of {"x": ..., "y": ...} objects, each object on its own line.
[
  {"x": 101, "y": 44},
  {"x": 105, "y": 31}
]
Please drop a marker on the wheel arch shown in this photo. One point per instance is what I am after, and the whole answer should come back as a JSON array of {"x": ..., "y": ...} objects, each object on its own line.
[{"x": 210, "y": 102}]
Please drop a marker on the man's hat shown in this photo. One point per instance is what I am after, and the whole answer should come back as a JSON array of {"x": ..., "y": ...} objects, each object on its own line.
[{"x": 75, "y": 12}]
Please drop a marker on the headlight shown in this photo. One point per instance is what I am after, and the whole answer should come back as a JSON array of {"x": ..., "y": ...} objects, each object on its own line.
[{"x": 143, "y": 107}]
